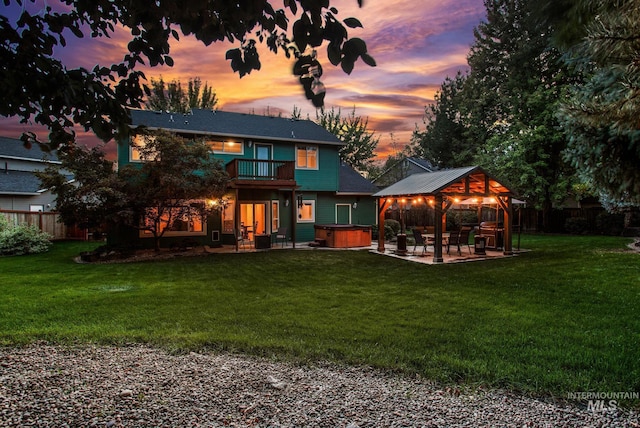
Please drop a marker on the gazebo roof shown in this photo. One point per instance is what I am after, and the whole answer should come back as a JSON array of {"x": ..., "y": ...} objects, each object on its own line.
[{"x": 469, "y": 181}]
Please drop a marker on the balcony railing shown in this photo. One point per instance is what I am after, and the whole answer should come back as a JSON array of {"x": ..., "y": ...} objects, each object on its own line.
[{"x": 256, "y": 169}]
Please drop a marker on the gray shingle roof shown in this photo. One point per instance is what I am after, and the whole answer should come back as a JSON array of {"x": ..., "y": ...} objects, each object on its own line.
[
  {"x": 239, "y": 125},
  {"x": 426, "y": 183},
  {"x": 353, "y": 183},
  {"x": 14, "y": 148},
  {"x": 421, "y": 163},
  {"x": 19, "y": 182}
]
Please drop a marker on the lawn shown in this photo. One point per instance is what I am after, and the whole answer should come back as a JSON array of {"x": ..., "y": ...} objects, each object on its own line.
[{"x": 562, "y": 318}]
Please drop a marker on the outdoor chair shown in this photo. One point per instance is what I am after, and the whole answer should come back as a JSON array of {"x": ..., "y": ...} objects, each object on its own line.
[
  {"x": 460, "y": 238},
  {"x": 419, "y": 240},
  {"x": 241, "y": 237},
  {"x": 281, "y": 234}
]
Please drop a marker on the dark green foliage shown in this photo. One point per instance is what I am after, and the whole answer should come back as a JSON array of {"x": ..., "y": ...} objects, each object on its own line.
[
  {"x": 95, "y": 192},
  {"x": 458, "y": 218},
  {"x": 576, "y": 225},
  {"x": 444, "y": 141},
  {"x": 610, "y": 224},
  {"x": 394, "y": 225},
  {"x": 600, "y": 41}
]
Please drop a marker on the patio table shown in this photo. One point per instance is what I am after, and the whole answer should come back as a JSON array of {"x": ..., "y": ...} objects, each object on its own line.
[{"x": 432, "y": 237}]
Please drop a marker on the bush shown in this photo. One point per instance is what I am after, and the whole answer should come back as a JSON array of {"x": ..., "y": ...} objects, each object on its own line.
[
  {"x": 576, "y": 225},
  {"x": 458, "y": 218},
  {"x": 391, "y": 229},
  {"x": 610, "y": 224},
  {"x": 394, "y": 225},
  {"x": 22, "y": 239},
  {"x": 4, "y": 223}
]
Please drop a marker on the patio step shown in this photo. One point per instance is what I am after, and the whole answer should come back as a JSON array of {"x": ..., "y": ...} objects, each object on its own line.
[{"x": 318, "y": 243}]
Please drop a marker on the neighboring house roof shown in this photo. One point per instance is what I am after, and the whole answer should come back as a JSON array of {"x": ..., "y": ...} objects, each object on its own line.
[
  {"x": 238, "y": 125},
  {"x": 421, "y": 164},
  {"x": 410, "y": 165},
  {"x": 352, "y": 183},
  {"x": 430, "y": 183},
  {"x": 13, "y": 148},
  {"x": 19, "y": 183},
  {"x": 18, "y": 166}
]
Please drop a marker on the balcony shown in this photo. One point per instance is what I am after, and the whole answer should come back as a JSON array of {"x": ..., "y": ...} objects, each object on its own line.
[{"x": 261, "y": 173}]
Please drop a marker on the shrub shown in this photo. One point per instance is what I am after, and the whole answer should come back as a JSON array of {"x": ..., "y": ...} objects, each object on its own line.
[
  {"x": 4, "y": 223},
  {"x": 576, "y": 225},
  {"x": 610, "y": 224},
  {"x": 391, "y": 229},
  {"x": 394, "y": 225},
  {"x": 457, "y": 218},
  {"x": 22, "y": 239}
]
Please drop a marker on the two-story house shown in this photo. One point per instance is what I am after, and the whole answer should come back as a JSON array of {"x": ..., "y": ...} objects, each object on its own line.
[{"x": 283, "y": 173}]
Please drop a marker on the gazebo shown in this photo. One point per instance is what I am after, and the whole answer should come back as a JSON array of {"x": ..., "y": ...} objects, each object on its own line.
[{"x": 442, "y": 189}]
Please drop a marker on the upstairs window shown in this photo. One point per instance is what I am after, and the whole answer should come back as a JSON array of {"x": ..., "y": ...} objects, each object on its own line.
[
  {"x": 226, "y": 146},
  {"x": 307, "y": 157}
]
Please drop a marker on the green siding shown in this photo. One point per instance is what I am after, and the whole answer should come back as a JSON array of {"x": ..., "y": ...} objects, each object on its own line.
[
  {"x": 364, "y": 213},
  {"x": 325, "y": 178}
]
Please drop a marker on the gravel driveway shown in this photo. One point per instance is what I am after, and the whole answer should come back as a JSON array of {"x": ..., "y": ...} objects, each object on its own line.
[{"x": 138, "y": 386}]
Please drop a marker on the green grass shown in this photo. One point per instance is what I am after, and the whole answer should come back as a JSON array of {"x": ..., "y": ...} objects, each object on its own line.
[{"x": 561, "y": 318}]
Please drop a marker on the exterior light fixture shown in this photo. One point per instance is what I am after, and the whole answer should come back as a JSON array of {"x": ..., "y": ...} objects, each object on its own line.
[{"x": 300, "y": 200}]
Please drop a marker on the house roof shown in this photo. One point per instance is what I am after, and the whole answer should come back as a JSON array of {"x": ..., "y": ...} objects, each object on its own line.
[
  {"x": 19, "y": 182},
  {"x": 13, "y": 148},
  {"x": 468, "y": 180},
  {"x": 421, "y": 164},
  {"x": 351, "y": 182},
  {"x": 236, "y": 125},
  {"x": 414, "y": 166}
]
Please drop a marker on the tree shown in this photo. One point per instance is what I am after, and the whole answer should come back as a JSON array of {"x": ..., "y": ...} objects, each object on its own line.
[
  {"x": 39, "y": 88},
  {"x": 87, "y": 188},
  {"x": 444, "y": 141},
  {"x": 172, "y": 97},
  {"x": 360, "y": 143},
  {"x": 518, "y": 81},
  {"x": 501, "y": 115},
  {"x": 155, "y": 196},
  {"x": 601, "y": 116}
]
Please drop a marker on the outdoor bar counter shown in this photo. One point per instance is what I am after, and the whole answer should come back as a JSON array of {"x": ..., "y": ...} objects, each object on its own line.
[{"x": 343, "y": 235}]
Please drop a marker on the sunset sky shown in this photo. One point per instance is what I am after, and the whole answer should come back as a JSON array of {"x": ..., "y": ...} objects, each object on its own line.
[{"x": 415, "y": 44}]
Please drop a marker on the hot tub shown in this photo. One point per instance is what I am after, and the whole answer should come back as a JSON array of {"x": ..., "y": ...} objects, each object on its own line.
[{"x": 343, "y": 235}]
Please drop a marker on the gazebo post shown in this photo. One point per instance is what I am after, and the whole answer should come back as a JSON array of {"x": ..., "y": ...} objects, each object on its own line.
[
  {"x": 382, "y": 202},
  {"x": 508, "y": 227},
  {"x": 437, "y": 245},
  {"x": 294, "y": 217}
]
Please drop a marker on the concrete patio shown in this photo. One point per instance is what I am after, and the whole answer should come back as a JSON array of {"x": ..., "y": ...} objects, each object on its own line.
[{"x": 390, "y": 251}]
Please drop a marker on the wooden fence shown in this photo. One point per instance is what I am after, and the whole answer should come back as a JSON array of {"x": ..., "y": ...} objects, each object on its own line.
[{"x": 45, "y": 221}]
